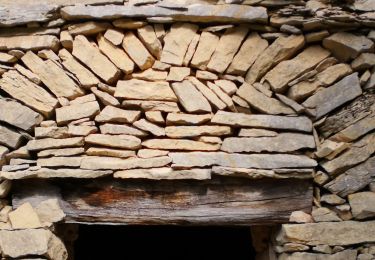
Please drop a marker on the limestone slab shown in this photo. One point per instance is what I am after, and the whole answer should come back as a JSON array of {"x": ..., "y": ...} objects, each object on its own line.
[
  {"x": 148, "y": 37},
  {"x": 164, "y": 106},
  {"x": 115, "y": 141},
  {"x": 78, "y": 111},
  {"x": 29, "y": 42},
  {"x": 61, "y": 152},
  {"x": 24, "y": 217},
  {"x": 362, "y": 204},
  {"x": 208, "y": 93},
  {"x": 179, "y": 144},
  {"x": 50, "y": 143},
  {"x": 97, "y": 163},
  {"x": 9, "y": 137},
  {"x": 206, "y": 47},
  {"x": 164, "y": 174},
  {"x": 147, "y": 126},
  {"x": 149, "y": 153},
  {"x": 193, "y": 131},
  {"x": 121, "y": 129},
  {"x": 137, "y": 51},
  {"x": 117, "y": 115},
  {"x": 100, "y": 151},
  {"x": 91, "y": 56},
  {"x": 88, "y": 28},
  {"x": 187, "y": 119},
  {"x": 60, "y": 162}
]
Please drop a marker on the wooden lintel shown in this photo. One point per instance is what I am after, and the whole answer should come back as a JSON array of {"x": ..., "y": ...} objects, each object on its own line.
[{"x": 221, "y": 201}]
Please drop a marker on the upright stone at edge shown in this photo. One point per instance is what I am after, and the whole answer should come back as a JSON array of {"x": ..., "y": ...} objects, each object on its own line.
[
  {"x": 137, "y": 51},
  {"x": 176, "y": 43},
  {"x": 52, "y": 76},
  {"x": 206, "y": 47},
  {"x": 281, "y": 49},
  {"x": 227, "y": 47},
  {"x": 94, "y": 59}
]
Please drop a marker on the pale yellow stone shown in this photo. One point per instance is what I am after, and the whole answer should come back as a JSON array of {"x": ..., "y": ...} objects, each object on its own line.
[
  {"x": 85, "y": 76},
  {"x": 121, "y": 129},
  {"x": 155, "y": 117},
  {"x": 117, "y": 115},
  {"x": 164, "y": 174},
  {"x": 128, "y": 24},
  {"x": 206, "y": 47},
  {"x": 59, "y": 162},
  {"x": 240, "y": 101},
  {"x": 163, "y": 106},
  {"x": 84, "y": 99},
  {"x": 99, "y": 151},
  {"x": 147, "y": 35},
  {"x": 144, "y": 90},
  {"x": 253, "y": 132},
  {"x": 28, "y": 74},
  {"x": 7, "y": 58},
  {"x": 145, "y": 125},
  {"x": 222, "y": 95},
  {"x": 209, "y": 139},
  {"x": 252, "y": 47},
  {"x": 78, "y": 111},
  {"x": 208, "y": 94},
  {"x": 227, "y": 47},
  {"x": 187, "y": 119},
  {"x": 193, "y": 131},
  {"x": 28, "y": 92},
  {"x": 61, "y": 152},
  {"x": 115, "y": 54},
  {"x": 29, "y": 42},
  {"x": 24, "y": 217},
  {"x": 137, "y": 51},
  {"x": 158, "y": 65},
  {"x": 114, "y": 36},
  {"x": 190, "y": 98},
  {"x": 179, "y": 144},
  {"x": 176, "y": 43},
  {"x": 94, "y": 59},
  {"x": 178, "y": 73},
  {"x": 51, "y": 143},
  {"x": 150, "y": 153},
  {"x": 205, "y": 75},
  {"x": 151, "y": 75},
  {"x": 97, "y": 163},
  {"x": 191, "y": 50},
  {"x": 48, "y": 54},
  {"x": 66, "y": 40},
  {"x": 105, "y": 98},
  {"x": 52, "y": 76},
  {"x": 81, "y": 130},
  {"x": 116, "y": 141},
  {"x": 88, "y": 28}
]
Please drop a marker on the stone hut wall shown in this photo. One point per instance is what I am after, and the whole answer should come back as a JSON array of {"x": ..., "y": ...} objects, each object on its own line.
[{"x": 191, "y": 90}]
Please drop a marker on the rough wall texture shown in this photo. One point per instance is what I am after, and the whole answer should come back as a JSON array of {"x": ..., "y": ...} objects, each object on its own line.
[{"x": 256, "y": 89}]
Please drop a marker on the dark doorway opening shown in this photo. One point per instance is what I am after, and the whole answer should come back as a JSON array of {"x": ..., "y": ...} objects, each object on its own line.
[{"x": 163, "y": 242}]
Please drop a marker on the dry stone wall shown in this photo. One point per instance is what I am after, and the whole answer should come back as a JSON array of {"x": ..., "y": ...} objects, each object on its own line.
[{"x": 160, "y": 90}]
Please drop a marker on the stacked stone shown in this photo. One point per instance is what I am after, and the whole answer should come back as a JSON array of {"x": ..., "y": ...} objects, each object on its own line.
[{"x": 160, "y": 98}]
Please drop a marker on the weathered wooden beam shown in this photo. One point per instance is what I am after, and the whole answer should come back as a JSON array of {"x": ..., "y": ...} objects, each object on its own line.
[{"x": 221, "y": 201}]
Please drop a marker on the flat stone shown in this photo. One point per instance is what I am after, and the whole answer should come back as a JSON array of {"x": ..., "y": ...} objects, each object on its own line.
[
  {"x": 192, "y": 131},
  {"x": 328, "y": 147},
  {"x": 29, "y": 42},
  {"x": 155, "y": 117},
  {"x": 7, "y": 58},
  {"x": 354, "y": 179},
  {"x": 363, "y": 61},
  {"x": 179, "y": 144},
  {"x": 340, "y": 233},
  {"x": 50, "y": 143},
  {"x": 362, "y": 204},
  {"x": 286, "y": 71},
  {"x": 96, "y": 163},
  {"x": 20, "y": 116},
  {"x": 74, "y": 112},
  {"x": 51, "y": 132},
  {"x": 115, "y": 54},
  {"x": 148, "y": 37},
  {"x": 261, "y": 102},
  {"x": 260, "y": 173},
  {"x": 114, "y": 36},
  {"x": 190, "y": 98},
  {"x": 281, "y": 49},
  {"x": 206, "y": 47},
  {"x": 191, "y": 50},
  {"x": 345, "y": 46},
  {"x": 205, "y": 75},
  {"x": 208, "y": 94},
  {"x": 227, "y": 86},
  {"x": 91, "y": 56},
  {"x": 53, "y": 76},
  {"x": 223, "y": 96},
  {"x": 325, "y": 78},
  {"x": 82, "y": 100},
  {"x": 165, "y": 174},
  {"x": 356, "y": 130},
  {"x": 104, "y": 97},
  {"x": 158, "y": 65},
  {"x": 59, "y": 162},
  {"x": 291, "y": 103},
  {"x": 88, "y": 28},
  {"x": 346, "y": 254},
  {"x": 28, "y": 74},
  {"x": 332, "y": 199},
  {"x": 176, "y": 43},
  {"x": 246, "y": 132},
  {"x": 85, "y": 76},
  {"x": 150, "y": 153},
  {"x": 251, "y": 48},
  {"x": 13, "y": 168},
  {"x": 283, "y": 142},
  {"x": 98, "y": 151},
  {"x": 36, "y": 98},
  {"x": 115, "y": 141},
  {"x": 300, "y": 217},
  {"x": 149, "y": 127},
  {"x": 9, "y": 137},
  {"x": 137, "y": 51},
  {"x": 163, "y": 106},
  {"x": 359, "y": 152},
  {"x": 45, "y": 173},
  {"x": 49, "y": 211},
  {"x": 263, "y": 121},
  {"x": 61, "y": 152},
  {"x": 187, "y": 119},
  {"x": 24, "y": 217},
  {"x": 144, "y": 90},
  {"x": 121, "y": 129},
  {"x": 117, "y": 115},
  {"x": 178, "y": 73},
  {"x": 227, "y": 47},
  {"x": 151, "y": 75},
  {"x": 259, "y": 161},
  {"x": 330, "y": 98},
  {"x": 21, "y": 243},
  {"x": 66, "y": 40},
  {"x": 324, "y": 215},
  {"x": 128, "y": 24},
  {"x": 21, "y": 152}
]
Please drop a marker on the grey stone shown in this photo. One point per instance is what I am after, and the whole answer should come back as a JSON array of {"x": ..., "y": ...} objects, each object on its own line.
[{"x": 362, "y": 204}]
